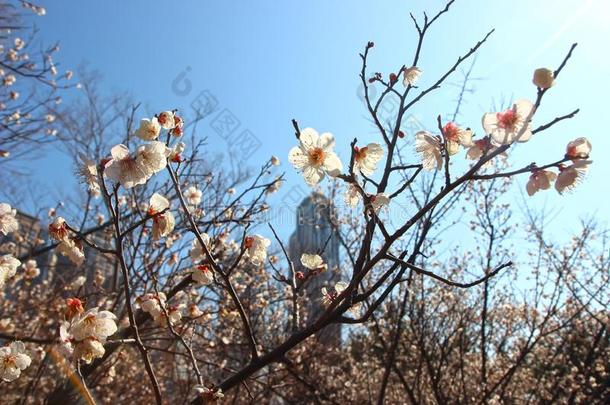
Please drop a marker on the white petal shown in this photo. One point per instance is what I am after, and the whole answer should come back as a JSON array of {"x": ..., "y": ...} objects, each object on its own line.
[
  {"x": 312, "y": 175},
  {"x": 309, "y": 138},
  {"x": 332, "y": 164},
  {"x": 298, "y": 158}
]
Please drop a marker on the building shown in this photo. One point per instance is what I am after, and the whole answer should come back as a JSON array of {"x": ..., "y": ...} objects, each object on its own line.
[{"x": 314, "y": 234}]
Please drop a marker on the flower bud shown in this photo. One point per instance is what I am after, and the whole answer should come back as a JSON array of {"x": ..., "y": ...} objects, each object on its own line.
[{"x": 543, "y": 78}]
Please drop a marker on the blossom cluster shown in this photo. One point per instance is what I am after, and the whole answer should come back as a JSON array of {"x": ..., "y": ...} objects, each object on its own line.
[
  {"x": 83, "y": 334},
  {"x": 315, "y": 158}
]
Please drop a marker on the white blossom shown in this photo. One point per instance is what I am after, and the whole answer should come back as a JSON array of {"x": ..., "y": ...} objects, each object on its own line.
[
  {"x": 166, "y": 119},
  {"x": 256, "y": 249},
  {"x": 202, "y": 274},
  {"x": 411, "y": 76},
  {"x": 313, "y": 262},
  {"x": 197, "y": 253},
  {"x": 543, "y": 78},
  {"x": 8, "y": 220},
  {"x": 539, "y": 180},
  {"x": 366, "y": 158},
  {"x": 193, "y": 195},
  {"x": 570, "y": 176},
  {"x": 149, "y": 129},
  {"x": 429, "y": 148},
  {"x": 94, "y": 323},
  {"x": 456, "y": 137},
  {"x": 163, "y": 219},
  {"x": 352, "y": 195},
  {"x": 379, "y": 201},
  {"x": 314, "y": 156},
  {"x": 8, "y": 268},
  {"x": 579, "y": 148},
  {"x": 13, "y": 360},
  {"x": 511, "y": 125},
  {"x": 124, "y": 168},
  {"x": 31, "y": 270}
]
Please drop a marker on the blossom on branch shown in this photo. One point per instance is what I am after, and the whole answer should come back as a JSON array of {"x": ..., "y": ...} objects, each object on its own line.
[
  {"x": 8, "y": 219},
  {"x": 202, "y": 274},
  {"x": 411, "y": 76},
  {"x": 366, "y": 158},
  {"x": 8, "y": 268},
  {"x": 256, "y": 249},
  {"x": 570, "y": 176},
  {"x": 313, "y": 262},
  {"x": 163, "y": 219},
  {"x": 511, "y": 125},
  {"x": 456, "y": 137},
  {"x": 429, "y": 148},
  {"x": 149, "y": 129},
  {"x": 13, "y": 360},
  {"x": 539, "y": 180},
  {"x": 579, "y": 148},
  {"x": 314, "y": 156}
]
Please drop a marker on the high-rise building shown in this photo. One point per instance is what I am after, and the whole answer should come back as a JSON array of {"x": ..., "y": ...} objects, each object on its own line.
[{"x": 314, "y": 234}]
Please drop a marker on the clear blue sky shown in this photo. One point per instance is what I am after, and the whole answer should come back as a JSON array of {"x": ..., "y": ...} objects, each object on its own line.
[{"x": 270, "y": 61}]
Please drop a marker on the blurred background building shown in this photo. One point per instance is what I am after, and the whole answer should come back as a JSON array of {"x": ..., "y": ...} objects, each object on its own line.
[{"x": 314, "y": 234}]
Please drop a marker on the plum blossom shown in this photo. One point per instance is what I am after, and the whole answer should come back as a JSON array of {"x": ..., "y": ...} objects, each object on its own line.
[
  {"x": 175, "y": 155},
  {"x": 275, "y": 161},
  {"x": 174, "y": 315},
  {"x": 379, "y": 201},
  {"x": 84, "y": 335},
  {"x": 13, "y": 360},
  {"x": 209, "y": 394},
  {"x": 579, "y": 148},
  {"x": 510, "y": 125},
  {"x": 72, "y": 249},
  {"x": 313, "y": 262},
  {"x": 314, "y": 156},
  {"x": 570, "y": 176},
  {"x": 543, "y": 78},
  {"x": 194, "y": 311},
  {"x": 539, "y": 180},
  {"x": 87, "y": 171},
  {"x": 89, "y": 349},
  {"x": 153, "y": 157},
  {"x": 329, "y": 295},
  {"x": 352, "y": 195},
  {"x": 94, "y": 323},
  {"x": 366, "y": 158},
  {"x": 134, "y": 169},
  {"x": 152, "y": 303},
  {"x": 74, "y": 307},
  {"x": 197, "y": 253},
  {"x": 456, "y": 137},
  {"x": 9, "y": 80},
  {"x": 31, "y": 270},
  {"x": 193, "y": 195},
  {"x": 256, "y": 249},
  {"x": 411, "y": 76},
  {"x": 163, "y": 219},
  {"x": 8, "y": 220},
  {"x": 177, "y": 130},
  {"x": 124, "y": 168},
  {"x": 149, "y": 129},
  {"x": 202, "y": 274},
  {"x": 429, "y": 147},
  {"x": 8, "y": 268},
  {"x": 166, "y": 119},
  {"x": 58, "y": 229}
]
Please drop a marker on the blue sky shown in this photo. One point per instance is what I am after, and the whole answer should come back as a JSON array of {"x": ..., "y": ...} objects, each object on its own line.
[{"x": 269, "y": 61}]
